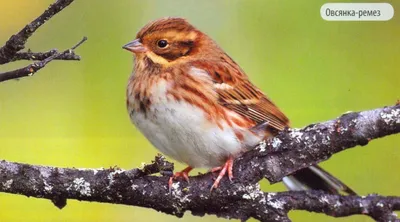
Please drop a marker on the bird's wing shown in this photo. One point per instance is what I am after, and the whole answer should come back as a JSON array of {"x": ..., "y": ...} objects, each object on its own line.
[{"x": 238, "y": 94}]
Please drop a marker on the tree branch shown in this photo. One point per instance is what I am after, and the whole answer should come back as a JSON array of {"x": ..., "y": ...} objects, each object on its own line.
[
  {"x": 34, "y": 67},
  {"x": 10, "y": 51},
  {"x": 290, "y": 151},
  {"x": 17, "y": 41},
  {"x": 44, "y": 55},
  {"x": 295, "y": 149}
]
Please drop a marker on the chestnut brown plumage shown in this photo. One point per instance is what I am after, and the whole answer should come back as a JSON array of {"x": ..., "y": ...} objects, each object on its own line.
[{"x": 196, "y": 105}]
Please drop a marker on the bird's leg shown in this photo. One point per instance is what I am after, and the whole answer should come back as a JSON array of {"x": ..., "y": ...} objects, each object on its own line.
[
  {"x": 223, "y": 169},
  {"x": 184, "y": 173}
]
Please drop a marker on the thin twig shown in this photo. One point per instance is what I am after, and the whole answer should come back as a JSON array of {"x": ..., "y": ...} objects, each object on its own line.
[
  {"x": 34, "y": 67},
  {"x": 17, "y": 41},
  {"x": 44, "y": 55}
]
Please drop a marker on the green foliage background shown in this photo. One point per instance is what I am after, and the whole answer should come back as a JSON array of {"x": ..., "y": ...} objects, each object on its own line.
[{"x": 72, "y": 114}]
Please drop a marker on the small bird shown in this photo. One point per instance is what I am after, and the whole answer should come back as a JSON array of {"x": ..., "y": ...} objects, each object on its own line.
[{"x": 197, "y": 106}]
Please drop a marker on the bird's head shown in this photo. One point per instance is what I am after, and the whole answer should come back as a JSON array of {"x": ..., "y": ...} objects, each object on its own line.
[{"x": 168, "y": 40}]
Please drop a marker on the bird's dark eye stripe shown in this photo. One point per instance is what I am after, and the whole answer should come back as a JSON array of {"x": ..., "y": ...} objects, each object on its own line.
[
  {"x": 187, "y": 43},
  {"x": 162, "y": 43}
]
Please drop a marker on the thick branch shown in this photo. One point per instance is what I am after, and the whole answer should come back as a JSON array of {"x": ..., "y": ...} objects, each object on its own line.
[
  {"x": 17, "y": 41},
  {"x": 295, "y": 149},
  {"x": 135, "y": 188},
  {"x": 378, "y": 207},
  {"x": 34, "y": 67},
  {"x": 241, "y": 198}
]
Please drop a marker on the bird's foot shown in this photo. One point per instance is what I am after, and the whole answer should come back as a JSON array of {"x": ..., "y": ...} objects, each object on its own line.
[
  {"x": 184, "y": 173},
  {"x": 226, "y": 168}
]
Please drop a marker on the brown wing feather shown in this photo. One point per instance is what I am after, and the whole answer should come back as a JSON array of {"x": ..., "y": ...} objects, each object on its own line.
[{"x": 237, "y": 93}]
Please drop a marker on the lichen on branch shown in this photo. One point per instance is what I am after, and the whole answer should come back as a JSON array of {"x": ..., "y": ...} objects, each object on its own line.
[{"x": 241, "y": 198}]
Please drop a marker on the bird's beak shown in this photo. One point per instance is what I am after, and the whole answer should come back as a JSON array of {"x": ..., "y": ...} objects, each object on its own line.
[{"x": 135, "y": 46}]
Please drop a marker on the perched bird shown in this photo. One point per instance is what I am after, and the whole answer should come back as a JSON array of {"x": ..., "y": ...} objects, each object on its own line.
[{"x": 196, "y": 105}]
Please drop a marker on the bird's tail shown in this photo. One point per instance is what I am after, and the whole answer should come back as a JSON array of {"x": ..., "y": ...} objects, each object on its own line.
[{"x": 316, "y": 178}]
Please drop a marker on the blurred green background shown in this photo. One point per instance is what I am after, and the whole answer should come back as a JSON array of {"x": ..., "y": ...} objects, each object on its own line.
[{"x": 72, "y": 114}]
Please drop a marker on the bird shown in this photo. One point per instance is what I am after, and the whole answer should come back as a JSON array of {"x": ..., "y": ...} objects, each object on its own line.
[{"x": 195, "y": 104}]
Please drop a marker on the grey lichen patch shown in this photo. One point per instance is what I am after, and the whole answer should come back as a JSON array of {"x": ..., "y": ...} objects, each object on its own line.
[
  {"x": 296, "y": 134},
  {"x": 363, "y": 204},
  {"x": 202, "y": 196},
  {"x": 337, "y": 204},
  {"x": 81, "y": 186},
  {"x": 246, "y": 196},
  {"x": 47, "y": 187},
  {"x": 310, "y": 141},
  {"x": 324, "y": 199},
  {"x": 276, "y": 142},
  {"x": 60, "y": 170},
  {"x": 326, "y": 140},
  {"x": 45, "y": 172},
  {"x": 392, "y": 117},
  {"x": 185, "y": 198},
  {"x": 182, "y": 198},
  {"x": 270, "y": 195},
  {"x": 277, "y": 204},
  {"x": 7, "y": 184},
  {"x": 112, "y": 175},
  {"x": 253, "y": 192},
  {"x": 11, "y": 167},
  {"x": 261, "y": 146},
  {"x": 175, "y": 189},
  {"x": 379, "y": 204},
  {"x": 343, "y": 130},
  {"x": 302, "y": 156},
  {"x": 134, "y": 186},
  {"x": 179, "y": 193}
]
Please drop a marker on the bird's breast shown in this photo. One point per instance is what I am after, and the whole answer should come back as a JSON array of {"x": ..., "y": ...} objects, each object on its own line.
[{"x": 181, "y": 129}]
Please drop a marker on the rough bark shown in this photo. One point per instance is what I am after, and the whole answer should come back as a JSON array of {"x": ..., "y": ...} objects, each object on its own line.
[{"x": 242, "y": 198}]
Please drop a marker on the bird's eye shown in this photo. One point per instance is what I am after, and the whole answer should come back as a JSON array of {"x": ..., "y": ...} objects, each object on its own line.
[{"x": 162, "y": 43}]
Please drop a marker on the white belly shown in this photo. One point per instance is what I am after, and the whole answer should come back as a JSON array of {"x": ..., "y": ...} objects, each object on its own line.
[{"x": 181, "y": 131}]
